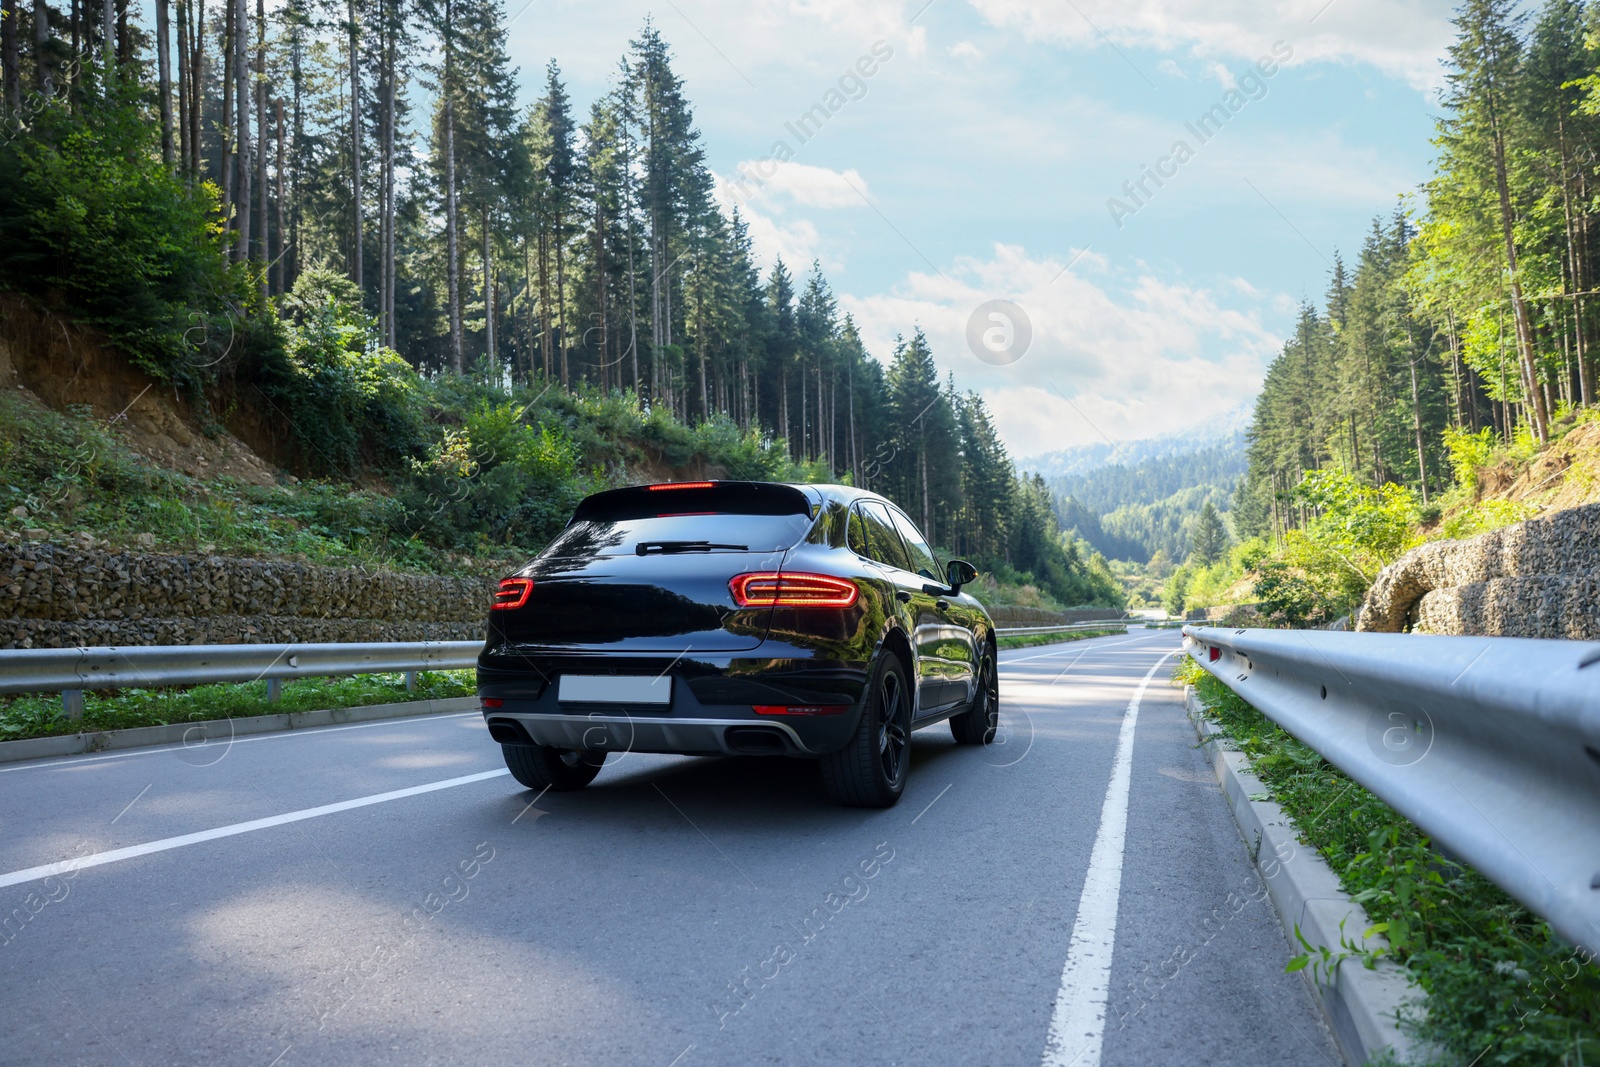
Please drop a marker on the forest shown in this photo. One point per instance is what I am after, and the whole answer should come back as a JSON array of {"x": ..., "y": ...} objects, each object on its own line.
[
  {"x": 1462, "y": 336},
  {"x": 1473, "y": 310},
  {"x": 337, "y": 213}
]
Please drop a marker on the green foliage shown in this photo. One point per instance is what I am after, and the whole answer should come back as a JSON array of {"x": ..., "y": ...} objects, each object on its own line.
[
  {"x": 122, "y": 709},
  {"x": 1469, "y": 453},
  {"x": 1208, "y": 538},
  {"x": 1365, "y": 528},
  {"x": 93, "y": 224},
  {"x": 1501, "y": 987},
  {"x": 343, "y": 402}
]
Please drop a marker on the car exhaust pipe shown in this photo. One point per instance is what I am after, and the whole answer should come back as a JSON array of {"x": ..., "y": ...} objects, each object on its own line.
[
  {"x": 756, "y": 740},
  {"x": 509, "y": 732}
]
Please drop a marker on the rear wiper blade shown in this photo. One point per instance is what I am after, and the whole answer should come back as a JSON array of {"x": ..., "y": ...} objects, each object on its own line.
[{"x": 646, "y": 548}]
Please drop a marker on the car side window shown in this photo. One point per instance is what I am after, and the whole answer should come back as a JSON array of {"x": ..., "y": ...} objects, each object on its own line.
[
  {"x": 857, "y": 538},
  {"x": 882, "y": 538},
  {"x": 923, "y": 561}
]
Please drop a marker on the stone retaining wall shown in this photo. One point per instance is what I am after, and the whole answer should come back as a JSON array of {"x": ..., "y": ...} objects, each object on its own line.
[
  {"x": 54, "y": 596},
  {"x": 1535, "y": 579}
]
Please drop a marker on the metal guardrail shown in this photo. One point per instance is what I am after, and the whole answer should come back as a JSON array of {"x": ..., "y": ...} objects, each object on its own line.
[
  {"x": 70, "y": 671},
  {"x": 1491, "y": 745},
  {"x": 1018, "y": 631}
]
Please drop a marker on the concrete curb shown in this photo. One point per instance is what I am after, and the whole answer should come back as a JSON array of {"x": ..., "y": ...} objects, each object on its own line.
[
  {"x": 195, "y": 733},
  {"x": 1359, "y": 1005}
]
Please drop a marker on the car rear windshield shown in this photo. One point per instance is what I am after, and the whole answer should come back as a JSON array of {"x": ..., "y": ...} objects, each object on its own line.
[{"x": 723, "y": 517}]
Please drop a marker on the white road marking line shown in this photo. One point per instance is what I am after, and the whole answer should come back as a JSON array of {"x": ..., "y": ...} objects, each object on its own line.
[
  {"x": 931, "y": 803},
  {"x": 1077, "y": 1027},
  {"x": 131, "y": 803},
  {"x": 48, "y": 762},
  {"x": 33, "y": 874},
  {"x": 1068, "y": 651}
]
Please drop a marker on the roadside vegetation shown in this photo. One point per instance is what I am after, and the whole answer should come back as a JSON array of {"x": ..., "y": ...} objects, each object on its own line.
[
  {"x": 121, "y": 709},
  {"x": 1502, "y": 989},
  {"x": 1034, "y": 640}
]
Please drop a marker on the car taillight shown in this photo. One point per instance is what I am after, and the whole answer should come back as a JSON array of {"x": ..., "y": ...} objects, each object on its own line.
[
  {"x": 492, "y": 702},
  {"x": 800, "y": 709},
  {"x": 513, "y": 593},
  {"x": 681, "y": 485},
  {"x": 793, "y": 591}
]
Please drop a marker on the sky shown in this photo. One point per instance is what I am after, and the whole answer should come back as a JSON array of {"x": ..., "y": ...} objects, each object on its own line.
[{"x": 962, "y": 152}]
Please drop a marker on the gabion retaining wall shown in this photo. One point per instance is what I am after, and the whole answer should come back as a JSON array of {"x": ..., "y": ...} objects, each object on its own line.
[
  {"x": 56, "y": 596},
  {"x": 1536, "y": 579}
]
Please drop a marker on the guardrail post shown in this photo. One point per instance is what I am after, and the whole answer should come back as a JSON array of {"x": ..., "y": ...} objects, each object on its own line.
[
  {"x": 274, "y": 690},
  {"x": 411, "y": 681},
  {"x": 72, "y": 703}
]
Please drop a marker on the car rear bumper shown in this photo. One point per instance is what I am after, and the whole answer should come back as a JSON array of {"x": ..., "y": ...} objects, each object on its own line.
[
  {"x": 712, "y": 711},
  {"x": 642, "y": 733}
]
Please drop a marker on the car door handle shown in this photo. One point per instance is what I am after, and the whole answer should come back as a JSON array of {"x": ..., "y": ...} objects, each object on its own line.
[{"x": 902, "y": 596}]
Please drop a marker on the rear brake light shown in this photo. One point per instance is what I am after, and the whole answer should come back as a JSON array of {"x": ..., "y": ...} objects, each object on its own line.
[
  {"x": 793, "y": 591},
  {"x": 682, "y": 485},
  {"x": 492, "y": 702},
  {"x": 513, "y": 593},
  {"x": 800, "y": 709}
]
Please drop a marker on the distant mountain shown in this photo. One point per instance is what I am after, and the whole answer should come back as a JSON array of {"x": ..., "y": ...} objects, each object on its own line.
[
  {"x": 1132, "y": 499},
  {"x": 1225, "y": 429}
]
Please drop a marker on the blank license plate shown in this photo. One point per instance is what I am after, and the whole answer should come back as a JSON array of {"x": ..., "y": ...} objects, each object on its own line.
[{"x": 615, "y": 689}]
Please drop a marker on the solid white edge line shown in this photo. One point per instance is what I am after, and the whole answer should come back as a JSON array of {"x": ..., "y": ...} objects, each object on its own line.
[
  {"x": 1078, "y": 1024},
  {"x": 33, "y": 874},
  {"x": 44, "y": 763}
]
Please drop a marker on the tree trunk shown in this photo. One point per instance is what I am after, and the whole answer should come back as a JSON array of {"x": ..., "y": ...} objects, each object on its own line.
[
  {"x": 390, "y": 273},
  {"x": 197, "y": 70},
  {"x": 261, "y": 145},
  {"x": 225, "y": 125},
  {"x": 355, "y": 150},
  {"x": 241, "y": 74},
  {"x": 278, "y": 232},
  {"x": 163, "y": 70},
  {"x": 44, "y": 71},
  {"x": 1416, "y": 417},
  {"x": 1530, "y": 367},
  {"x": 488, "y": 297},
  {"x": 561, "y": 290},
  {"x": 600, "y": 286},
  {"x": 10, "y": 59},
  {"x": 183, "y": 85},
  {"x": 1574, "y": 259},
  {"x": 546, "y": 329},
  {"x": 108, "y": 39},
  {"x": 452, "y": 249}
]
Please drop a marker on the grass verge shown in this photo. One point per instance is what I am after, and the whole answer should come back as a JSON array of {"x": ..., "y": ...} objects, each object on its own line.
[
  {"x": 1034, "y": 640},
  {"x": 1502, "y": 989},
  {"x": 120, "y": 709}
]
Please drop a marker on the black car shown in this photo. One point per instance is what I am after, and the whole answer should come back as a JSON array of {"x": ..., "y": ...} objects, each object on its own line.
[{"x": 746, "y": 618}]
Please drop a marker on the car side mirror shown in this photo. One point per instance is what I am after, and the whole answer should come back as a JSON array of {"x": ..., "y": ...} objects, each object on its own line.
[{"x": 959, "y": 573}]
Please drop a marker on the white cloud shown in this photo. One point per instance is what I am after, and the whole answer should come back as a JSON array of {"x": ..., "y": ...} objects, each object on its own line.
[
  {"x": 1171, "y": 69},
  {"x": 797, "y": 241},
  {"x": 965, "y": 49},
  {"x": 803, "y": 183},
  {"x": 1223, "y": 75},
  {"x": 1155, "y": 356},
  {"x": 1404, "y": 38}
]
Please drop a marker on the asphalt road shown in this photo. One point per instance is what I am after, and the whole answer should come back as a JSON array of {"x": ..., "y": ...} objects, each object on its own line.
[{"x": 1039, "y": 901}]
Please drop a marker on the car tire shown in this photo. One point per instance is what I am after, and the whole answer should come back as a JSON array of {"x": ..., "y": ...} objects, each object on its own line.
[
  {"x": 871, "y": 771},
  {"x": 977, "y": 725},
  {"x": 560, "y": 769}
]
